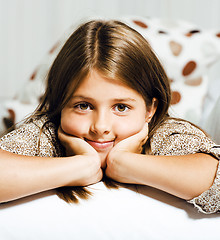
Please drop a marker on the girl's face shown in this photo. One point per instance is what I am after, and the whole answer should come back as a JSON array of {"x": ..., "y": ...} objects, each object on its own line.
[{"x": 103, "y": 112}]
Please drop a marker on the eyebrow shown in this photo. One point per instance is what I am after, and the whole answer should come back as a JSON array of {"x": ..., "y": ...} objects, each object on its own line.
[
  {"x": 124, "y": 100},
  {"x": 115, "y": 99}
]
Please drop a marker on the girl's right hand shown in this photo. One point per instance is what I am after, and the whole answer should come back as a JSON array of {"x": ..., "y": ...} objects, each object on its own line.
[{"x": 86, "y": 161}]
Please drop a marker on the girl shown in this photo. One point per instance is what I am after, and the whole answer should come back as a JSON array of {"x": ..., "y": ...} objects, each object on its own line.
[{"x": 105, "y": 113}]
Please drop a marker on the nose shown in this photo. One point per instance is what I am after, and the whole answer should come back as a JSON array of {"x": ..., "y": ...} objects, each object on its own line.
[{"x": 101, "y": 123}]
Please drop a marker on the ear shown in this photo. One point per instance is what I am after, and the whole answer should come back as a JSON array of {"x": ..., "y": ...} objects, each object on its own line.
[{"x": 151, "y": 110}]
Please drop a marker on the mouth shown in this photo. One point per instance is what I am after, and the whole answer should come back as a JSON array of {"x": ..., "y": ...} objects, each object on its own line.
[{"x": 100, "y": 146}]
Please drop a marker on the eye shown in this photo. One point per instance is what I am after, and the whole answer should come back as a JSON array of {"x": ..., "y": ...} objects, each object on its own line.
[
  {"x": 121, "y": 108},
  {"x": 83, "y": 106}
]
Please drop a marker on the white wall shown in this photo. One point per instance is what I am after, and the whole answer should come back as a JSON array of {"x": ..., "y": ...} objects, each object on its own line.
[{"x": 28, "y": 28}]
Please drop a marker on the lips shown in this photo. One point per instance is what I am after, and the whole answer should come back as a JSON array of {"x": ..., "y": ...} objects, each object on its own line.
[{"x": 101, "y": 146}]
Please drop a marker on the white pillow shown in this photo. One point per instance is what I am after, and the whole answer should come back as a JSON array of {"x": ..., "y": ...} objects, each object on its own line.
[{"x": 129, "y": 213}]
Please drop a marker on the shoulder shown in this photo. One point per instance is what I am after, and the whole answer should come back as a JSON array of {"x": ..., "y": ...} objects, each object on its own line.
[
  {"x": 37, "y": 137},
  {"x": 179, "y": 137},
  {"x": 176, "y": 126}
]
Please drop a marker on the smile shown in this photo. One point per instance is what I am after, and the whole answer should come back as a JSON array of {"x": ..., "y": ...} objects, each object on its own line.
[{"x": 101, "y": 146}]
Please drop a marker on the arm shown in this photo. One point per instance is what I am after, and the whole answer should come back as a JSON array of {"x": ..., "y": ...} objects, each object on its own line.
[
  {"x": 183, "y": 176},
  {"x": 24, "y": 175}
]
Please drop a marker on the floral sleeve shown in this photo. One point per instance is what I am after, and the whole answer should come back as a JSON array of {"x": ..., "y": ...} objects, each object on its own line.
[
  {"x": 181, "y": 138},
  {"x": 30, "y": 140}
]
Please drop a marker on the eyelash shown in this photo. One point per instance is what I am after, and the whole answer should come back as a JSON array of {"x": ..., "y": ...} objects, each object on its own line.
[
  {"x": 124, "y": 106},
  {"x": 79, "y": 105}
]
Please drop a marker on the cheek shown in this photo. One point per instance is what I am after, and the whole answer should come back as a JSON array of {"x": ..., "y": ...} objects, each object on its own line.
[
  {"x": 126, "y": 129},
  {"x": 73, "y": 126}
]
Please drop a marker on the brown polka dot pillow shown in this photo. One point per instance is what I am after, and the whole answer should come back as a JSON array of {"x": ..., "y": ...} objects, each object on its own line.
[{"x": 186, "y": 53}]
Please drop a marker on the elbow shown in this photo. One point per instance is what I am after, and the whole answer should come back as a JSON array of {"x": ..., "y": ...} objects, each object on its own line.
[
  {"x": 189, "y": 191},
  {"x": 193, "y": 192},
  {"x": 189, "y": 197},
  {"x": 203, "y": 181}
]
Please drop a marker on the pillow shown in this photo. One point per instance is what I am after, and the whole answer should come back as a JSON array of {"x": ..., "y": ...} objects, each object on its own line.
[
  {"x": 130, "y": 212},
  {"x": 186, "y": 52}
]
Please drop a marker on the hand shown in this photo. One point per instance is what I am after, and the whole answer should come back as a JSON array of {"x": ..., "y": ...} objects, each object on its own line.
[
  {"x": 120, "y": 160},
  {"x": 74, "y": 145},
  {"x": 84, "y": 170},
  {"x": 134, "y": 143},
  {"x": 86, "y": 163}
]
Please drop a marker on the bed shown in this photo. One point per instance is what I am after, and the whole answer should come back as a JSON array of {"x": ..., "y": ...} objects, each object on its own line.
[{"x": 126, "y": 213}]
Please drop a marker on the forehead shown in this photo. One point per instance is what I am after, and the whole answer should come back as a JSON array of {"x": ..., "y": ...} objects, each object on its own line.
[{"x": 96, "y": 84}]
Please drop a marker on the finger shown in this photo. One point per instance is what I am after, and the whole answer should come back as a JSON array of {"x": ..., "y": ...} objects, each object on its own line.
[
  {"x": 145, "y": 132},
  {"x": 61, "y": 134},
  {"x": 59, "y": 131},
  {"x": 145, "y": 129}
]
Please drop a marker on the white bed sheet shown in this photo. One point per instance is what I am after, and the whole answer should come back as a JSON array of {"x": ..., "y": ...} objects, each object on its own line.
[{"x": 107, "y": 215}]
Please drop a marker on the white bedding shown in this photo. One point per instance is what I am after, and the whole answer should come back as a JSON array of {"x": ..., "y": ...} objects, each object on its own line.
[{"x": 108, "y": 214}]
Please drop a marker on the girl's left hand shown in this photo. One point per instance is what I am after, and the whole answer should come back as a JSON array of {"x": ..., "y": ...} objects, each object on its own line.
[{"x": 120, "y": 160}]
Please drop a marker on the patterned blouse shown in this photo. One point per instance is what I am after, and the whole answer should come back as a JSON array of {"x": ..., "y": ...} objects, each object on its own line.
[{"x": 174, "y": 137}]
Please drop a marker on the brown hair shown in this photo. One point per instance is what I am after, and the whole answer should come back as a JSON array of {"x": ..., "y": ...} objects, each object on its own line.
[{"x": 118, "y": 52}]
